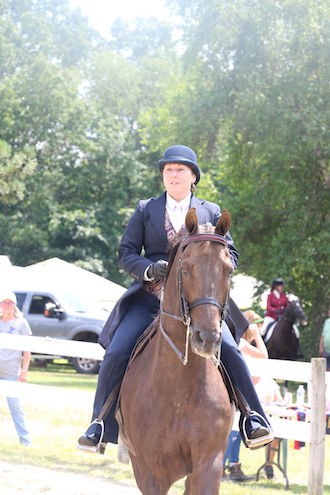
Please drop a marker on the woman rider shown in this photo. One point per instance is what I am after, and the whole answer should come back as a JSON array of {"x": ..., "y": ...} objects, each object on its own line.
[
  {"x": 277, "y": 302},
  {"x": 152, "y": 227}
]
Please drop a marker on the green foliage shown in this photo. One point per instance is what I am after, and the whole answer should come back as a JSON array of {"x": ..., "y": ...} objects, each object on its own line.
[{"x": 14, "y": 168}]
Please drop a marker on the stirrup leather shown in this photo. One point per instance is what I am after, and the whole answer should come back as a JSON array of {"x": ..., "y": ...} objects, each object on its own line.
[
  {"x": 100, "y": 447},
  {"x": 256, "y": 443}
]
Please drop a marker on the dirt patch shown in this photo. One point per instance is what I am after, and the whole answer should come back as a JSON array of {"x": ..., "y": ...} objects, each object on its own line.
[{"x": 32, "y": 480}]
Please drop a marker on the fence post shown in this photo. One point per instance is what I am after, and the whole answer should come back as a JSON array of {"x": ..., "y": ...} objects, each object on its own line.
[{"x": 317, "y": 445}]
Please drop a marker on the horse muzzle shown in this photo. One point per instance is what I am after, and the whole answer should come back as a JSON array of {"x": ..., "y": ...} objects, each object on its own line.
[{"x": 205, "y": 343}]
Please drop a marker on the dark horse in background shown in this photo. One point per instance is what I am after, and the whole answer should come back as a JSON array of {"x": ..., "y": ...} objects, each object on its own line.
[
  {"x": 283, "y": 343},
  {"x": 175, "y": 413}
]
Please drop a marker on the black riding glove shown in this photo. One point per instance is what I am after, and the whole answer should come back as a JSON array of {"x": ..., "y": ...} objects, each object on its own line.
[{"x": 157, "y": 270}]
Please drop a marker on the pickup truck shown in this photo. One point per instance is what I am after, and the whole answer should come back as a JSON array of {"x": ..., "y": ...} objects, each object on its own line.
[{"x": 63, "y": 315}]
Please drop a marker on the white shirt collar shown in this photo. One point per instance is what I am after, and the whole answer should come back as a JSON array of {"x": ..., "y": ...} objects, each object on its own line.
[{"x": 173, "y": 205}]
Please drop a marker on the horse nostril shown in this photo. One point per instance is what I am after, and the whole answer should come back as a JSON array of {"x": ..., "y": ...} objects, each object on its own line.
[
  {"x": 207, "y": 337},
  {"x": 198, "y": 337}
]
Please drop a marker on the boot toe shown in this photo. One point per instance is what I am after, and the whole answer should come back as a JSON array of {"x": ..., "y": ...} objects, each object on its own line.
[{"x": 89, "y": 440}]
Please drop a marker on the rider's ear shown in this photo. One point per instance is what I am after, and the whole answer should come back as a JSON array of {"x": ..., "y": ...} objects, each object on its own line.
[
  {"x": 223, "y": 224},
  {"x": 191, "y": 221}
]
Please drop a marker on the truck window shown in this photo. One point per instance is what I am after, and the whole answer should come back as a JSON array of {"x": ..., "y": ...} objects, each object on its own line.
[
  {"x": 37, "y": 306},
  {"x": 20, "y": 296}
]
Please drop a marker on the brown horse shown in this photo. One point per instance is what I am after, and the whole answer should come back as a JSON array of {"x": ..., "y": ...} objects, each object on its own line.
[{"x": 175, "y": 408}]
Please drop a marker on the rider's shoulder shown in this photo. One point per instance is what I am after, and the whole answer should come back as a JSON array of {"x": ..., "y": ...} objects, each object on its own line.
[
  {"x": 208, "y": 204},
  {"x": 150, "y": 201}
]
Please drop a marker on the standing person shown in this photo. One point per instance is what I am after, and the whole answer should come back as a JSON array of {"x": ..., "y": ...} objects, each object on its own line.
[
  {"x": 267, "y": 389},
  {"x": 12, "y": 366},
  {"x": 276, "y": 303},
  {"x": 324, "y": 347},
  {"x": 252, "y": 333},
  {"x": 150, "y": 230}
]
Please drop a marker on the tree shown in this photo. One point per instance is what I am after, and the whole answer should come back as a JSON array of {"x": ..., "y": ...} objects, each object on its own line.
[
  {"x": 14, "y": 168},
  {"x": 264, "y": 72}
]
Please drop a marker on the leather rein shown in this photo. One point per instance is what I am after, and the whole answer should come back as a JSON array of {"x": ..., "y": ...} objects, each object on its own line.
[{"x": 185, "y": 306}]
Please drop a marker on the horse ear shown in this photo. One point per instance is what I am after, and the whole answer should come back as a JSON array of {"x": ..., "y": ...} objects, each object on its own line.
[
  {"x": 223, "y": 224},
  {"x": 191, "y": 221}
]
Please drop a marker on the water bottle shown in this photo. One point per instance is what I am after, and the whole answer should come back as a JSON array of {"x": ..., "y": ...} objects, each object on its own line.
[{"x": 300, "y": 396}]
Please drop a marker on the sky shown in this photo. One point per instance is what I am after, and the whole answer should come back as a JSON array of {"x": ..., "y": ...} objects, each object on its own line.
[{"x": 102, "y": 13}]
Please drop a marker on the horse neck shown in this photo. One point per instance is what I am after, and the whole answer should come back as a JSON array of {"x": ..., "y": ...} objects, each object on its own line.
[{"x": 289, "y": 316}]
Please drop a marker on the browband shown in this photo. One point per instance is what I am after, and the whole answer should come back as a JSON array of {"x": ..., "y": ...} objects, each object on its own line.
[{"x": 205, "y": 237}]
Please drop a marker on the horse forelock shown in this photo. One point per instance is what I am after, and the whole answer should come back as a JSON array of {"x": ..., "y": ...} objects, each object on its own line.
[{"x": 181, "y": 236}]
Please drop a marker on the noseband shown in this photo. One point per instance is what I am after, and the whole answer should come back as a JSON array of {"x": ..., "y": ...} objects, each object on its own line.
[{"x": 185, "y": 306}]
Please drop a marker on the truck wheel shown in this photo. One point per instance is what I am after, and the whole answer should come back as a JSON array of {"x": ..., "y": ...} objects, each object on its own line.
[{"x": 86, "y": 366}]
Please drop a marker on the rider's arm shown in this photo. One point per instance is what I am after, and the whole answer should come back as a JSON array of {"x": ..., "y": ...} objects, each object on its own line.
[
  {"x": 130, "y": 248},
  {"x": 270, "y": 305},
  {"x": 232, "y": 249}
]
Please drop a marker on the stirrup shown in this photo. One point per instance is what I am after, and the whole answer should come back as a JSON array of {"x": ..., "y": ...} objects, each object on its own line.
[
  {"x": 100, "y": 447},
  {"x": 256, "y": 443}
]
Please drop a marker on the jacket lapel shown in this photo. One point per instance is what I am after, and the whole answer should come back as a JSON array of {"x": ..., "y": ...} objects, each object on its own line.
[{"x": 156, "y": 208}]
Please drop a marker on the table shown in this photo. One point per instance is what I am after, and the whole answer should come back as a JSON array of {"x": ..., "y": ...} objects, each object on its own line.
[
  {"x": 282, "y": 445},
  {"x": 282, "y": 410}
]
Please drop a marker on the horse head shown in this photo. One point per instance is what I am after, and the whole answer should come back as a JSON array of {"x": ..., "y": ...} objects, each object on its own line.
[
  {"x": 295, "y": 312},
  {"x": 204, "y": 275}
]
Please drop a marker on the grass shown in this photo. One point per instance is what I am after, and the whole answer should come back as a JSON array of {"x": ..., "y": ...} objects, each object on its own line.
[
  {"x": 61, "y": 374},
  {"x": 55, "y": 430}
]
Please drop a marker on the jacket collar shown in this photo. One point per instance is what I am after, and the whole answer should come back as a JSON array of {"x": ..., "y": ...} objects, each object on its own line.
[{"x": 157, "y": 207}]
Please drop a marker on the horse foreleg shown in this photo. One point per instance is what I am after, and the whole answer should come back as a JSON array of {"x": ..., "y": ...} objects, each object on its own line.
[
  {"x": 148, "y": 484},
  {"x": 205, "y": 481}
]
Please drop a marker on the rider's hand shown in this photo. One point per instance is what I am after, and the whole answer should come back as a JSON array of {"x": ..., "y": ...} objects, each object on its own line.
[{"x": 157, "y": 270}]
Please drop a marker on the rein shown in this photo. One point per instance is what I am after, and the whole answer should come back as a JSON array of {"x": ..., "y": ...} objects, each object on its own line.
[{"x": 185, "y": 306}]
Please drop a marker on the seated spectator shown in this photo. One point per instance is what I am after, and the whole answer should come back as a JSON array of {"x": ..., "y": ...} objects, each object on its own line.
[
  {"x": 234, "y": 441},
  {"x": 267, "y": 389}
]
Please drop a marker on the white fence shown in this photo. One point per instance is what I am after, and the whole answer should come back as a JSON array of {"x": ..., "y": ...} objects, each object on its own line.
[{"x": 311, "y": 373}]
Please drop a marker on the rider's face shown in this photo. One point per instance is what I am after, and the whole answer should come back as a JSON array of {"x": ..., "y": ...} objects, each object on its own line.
[
  {"x": 280, "y": 288},
  {"x": 178, "y": 179}
]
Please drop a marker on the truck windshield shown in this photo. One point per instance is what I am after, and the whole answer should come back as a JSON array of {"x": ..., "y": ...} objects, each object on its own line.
[{"x": 77, "y": 303}]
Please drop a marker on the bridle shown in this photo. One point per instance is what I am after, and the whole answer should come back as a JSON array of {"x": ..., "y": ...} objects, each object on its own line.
[{"x": 185, "y": 306}]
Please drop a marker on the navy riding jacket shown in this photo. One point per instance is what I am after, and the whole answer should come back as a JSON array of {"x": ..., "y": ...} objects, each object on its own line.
[{"x": 146, "y": 232}]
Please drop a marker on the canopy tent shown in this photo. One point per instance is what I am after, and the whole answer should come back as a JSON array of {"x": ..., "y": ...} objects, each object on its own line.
[
  {"x": 58, "y": 274},
  {"x": 243, "y": 288}
]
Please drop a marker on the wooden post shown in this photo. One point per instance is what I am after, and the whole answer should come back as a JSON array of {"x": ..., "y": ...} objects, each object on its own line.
[{"x": 317, "y": 445}]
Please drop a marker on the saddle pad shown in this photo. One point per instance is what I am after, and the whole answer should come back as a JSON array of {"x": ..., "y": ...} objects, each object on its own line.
[{"x": 269, "y": 330}]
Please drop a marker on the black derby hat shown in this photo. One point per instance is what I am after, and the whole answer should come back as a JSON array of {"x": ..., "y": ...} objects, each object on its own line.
[{"x": 181, "y": 154}]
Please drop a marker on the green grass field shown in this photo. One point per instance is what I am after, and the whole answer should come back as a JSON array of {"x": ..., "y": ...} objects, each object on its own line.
[{"x": 55, "y": 429}]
